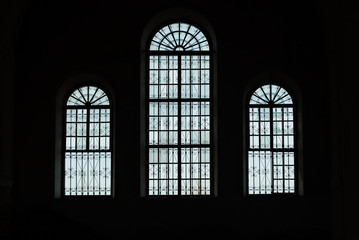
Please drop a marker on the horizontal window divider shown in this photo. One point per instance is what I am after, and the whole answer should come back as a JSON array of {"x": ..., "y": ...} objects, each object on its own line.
[
  {"x": 88, "y": 107},
  {"x": 180, "y": 146},
  {"x": 180, "y": 100},
  {"x": 272, "y": 150},
  {"x": 176, "y": 53},
  {"x": 86, "y": 151},
  {"x": 270, "y": 105}
]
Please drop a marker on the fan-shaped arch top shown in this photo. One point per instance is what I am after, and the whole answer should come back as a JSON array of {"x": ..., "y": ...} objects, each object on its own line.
[
  {"x": 271, "y": 94},
  {"x": 179, "y": 37},
  {"x": 88, "y": 95}
]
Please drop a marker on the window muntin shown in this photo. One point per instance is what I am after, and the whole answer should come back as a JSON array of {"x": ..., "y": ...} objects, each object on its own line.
[
  {"x": 271, "y": 145},
  {"x": 87, "y": 153},
  {"x": 179, "y": 143}
]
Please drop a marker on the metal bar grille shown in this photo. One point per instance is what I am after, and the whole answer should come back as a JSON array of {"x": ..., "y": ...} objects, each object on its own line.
[
  {"x": 179, "y": 125},
  {"x": 87, "y": 154},
  {"x": 271, "y": 147}
]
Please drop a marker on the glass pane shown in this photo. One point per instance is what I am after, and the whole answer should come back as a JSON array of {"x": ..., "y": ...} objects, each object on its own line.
[
  {"x": 71, "y": 129},
  {"x": 173, "y": 123},
  {"x": 153, "y": 108},
  {"x": 81, "y": 129},
  {"x": 205, "y": 108},
  {"x": 173, "y": 91},
  {"x": 205, "y": 137},
  {"x": 195, "y": 91},
  {"x": 153, "y": 63},
  {"x": 71, "y": 115},
  {"x": 163, "y": 91},
  {"x": 205, "y": 91},
  {"x": 81, "y": 115},
  {"x": 153, "y": 155},
  {"x": 195, "y": 76},
  {"x": 153, "y": 91}
]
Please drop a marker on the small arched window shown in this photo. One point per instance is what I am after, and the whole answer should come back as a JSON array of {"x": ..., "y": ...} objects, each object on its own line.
[
  {"x": 87, "y": 154},
  {"x": 179, "y": 136},
  {"x": 271, "y": 144}
]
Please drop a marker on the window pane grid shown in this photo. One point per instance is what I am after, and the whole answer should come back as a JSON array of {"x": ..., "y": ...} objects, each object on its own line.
[
  {"x": 194, "y": 175},
  {"x": 259, "y": 172},
  {"x": 271, "y": 146},
  {"x": 88, "y": 157},
  {"x": 179, "y": 119},
  {"x": 87, "y": 173},
  {"x": 283, "y": 172}
]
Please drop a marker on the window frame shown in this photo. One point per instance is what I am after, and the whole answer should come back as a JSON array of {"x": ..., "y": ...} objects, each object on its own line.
[
  {"x": 287, "y": 83},
  {"x": 192, "y": 18},
  {"x": 68, "y": 87}
]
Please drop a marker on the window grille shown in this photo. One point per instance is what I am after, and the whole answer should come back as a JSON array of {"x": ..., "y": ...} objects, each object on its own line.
[
  {"x": 87, "y": 153},
  {"x": 271, "y": 142},
  {"x": 179, "y": 109}
]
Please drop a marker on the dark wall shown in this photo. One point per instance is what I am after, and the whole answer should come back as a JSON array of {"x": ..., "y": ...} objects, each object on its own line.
[{"x": 58, "y": 40}]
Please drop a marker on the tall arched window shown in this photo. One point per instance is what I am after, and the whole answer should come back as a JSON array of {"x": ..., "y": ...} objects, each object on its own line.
[
  {"x": 87, "y": 154},
  {"x": 179, "y": 145},
  {"x": 271, "y": 145}
]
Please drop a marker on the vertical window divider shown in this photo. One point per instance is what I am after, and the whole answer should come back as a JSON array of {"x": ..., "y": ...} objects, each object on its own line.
[
  {"x": 191, "y": 125},
  {"x": 283, "y": 136},
  {"x": 179, "y": 102},
  {"x": 76, "y": 141},
  {"x": 271, "y": 138},
  {"x": 200, "y": 124}
]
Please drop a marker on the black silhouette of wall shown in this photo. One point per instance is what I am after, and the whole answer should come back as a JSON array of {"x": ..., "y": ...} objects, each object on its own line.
[{"x": 44, "y": 43}]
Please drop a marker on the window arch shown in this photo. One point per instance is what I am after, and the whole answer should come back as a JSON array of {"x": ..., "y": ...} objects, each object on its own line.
[
  {"x": 272, "y": 143},
  {"x": 87, "y": 143},
  {"x": 179, "y": 112},
  {"x": 179, "y": 36}
]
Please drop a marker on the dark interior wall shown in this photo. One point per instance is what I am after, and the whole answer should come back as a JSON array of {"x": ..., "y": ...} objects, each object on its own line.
[{"x": 60, "y": 39}]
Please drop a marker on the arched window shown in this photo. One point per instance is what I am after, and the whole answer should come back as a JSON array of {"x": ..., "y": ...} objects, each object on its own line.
[
  {"x": 179, "y": 145},
  {"x": 87, "y": 154},
  {"x": 271, "y": 144}
]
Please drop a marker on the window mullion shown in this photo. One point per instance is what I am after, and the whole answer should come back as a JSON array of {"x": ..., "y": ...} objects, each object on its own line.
[
  {"x": 179, "y": 141},
  {"x": 200, "y": 126},
  {"x": 271, "y": 138},
  {"x": 88, "y": 128},
  {"x": 76, "y": 144},
  {"x": 283, "y": 152},
  {"x": 87, "y": 145},
  {"x": 167, "y": 124},
  {"x": 158, "y": 118},
  {"x": 190, "y": 126}
]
